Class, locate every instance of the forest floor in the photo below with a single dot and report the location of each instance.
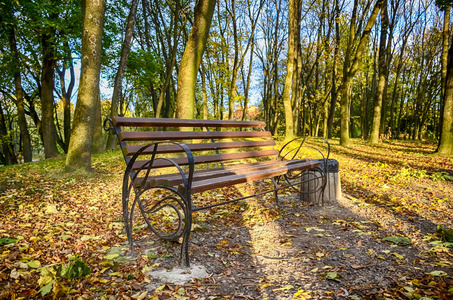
(388, 237)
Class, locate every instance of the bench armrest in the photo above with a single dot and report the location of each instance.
(291, 153)
(131, 174)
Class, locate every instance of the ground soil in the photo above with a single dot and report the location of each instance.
(302, 250)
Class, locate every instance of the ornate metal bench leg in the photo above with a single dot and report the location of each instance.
(126, 218)
(276, 190)
(185, 262)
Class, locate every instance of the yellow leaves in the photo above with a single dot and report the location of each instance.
(140, 295)
(285, 288)
(116, 225)
(302, 295)
(438, 273)
(51, 209)
(397, 255)
(35, 264)
(263, 286)
(160, 288)
(308, 229)
(222, 244)
(111, 256)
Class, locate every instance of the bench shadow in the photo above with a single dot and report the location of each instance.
(255, 249)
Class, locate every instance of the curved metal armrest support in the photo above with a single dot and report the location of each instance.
(108, 125)
(128, 173)
(295, 151)
(291, 150)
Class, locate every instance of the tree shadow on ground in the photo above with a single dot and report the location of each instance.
(260, 251)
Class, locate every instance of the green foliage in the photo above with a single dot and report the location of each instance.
(76, 268)
(409, 172)
(442, 4)
(144, 68)
(445, 233)
(54, 278)
(442, 176)
(398, 240)
(6, 241)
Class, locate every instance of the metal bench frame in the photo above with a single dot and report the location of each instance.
(181, 188)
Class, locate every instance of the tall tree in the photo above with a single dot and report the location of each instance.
(351, 66)
(446, 137)
(382, 65)
(294, 11)
(444, 58)
(19, 93)
(191, 59)
(79, 154)
(48, 46)
(118, 85)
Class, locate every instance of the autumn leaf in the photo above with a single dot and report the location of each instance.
(398, 240)
(333, 276)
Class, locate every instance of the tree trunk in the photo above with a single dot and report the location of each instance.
(191, 59)
(79, 154)
(66, 99)
(349, 70)
(118, 85)
(293, 17)
(24, 134)
(446, 139)
(382, 65)
(444, 62)
(47, 100)
(9, 157)
(334, 91)
(98, 145)
(204, 92)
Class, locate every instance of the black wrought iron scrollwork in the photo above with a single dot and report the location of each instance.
(111, 126)
(130, 182)
(316, 178)
(166, 202)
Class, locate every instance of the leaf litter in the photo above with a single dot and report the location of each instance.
(387, 238)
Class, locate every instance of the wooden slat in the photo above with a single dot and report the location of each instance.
(176, 179)
(131, 150)
(218, 182)
(160, 163)
(188, 135)
(165, 122)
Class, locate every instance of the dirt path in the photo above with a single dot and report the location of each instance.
(313, 252)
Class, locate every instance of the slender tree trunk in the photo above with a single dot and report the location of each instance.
(446, 139)
(66, 99)
(24, 134)
(382, 65)
(444, 62)
(334, 92)
(293, 17)
(98, 145)
(47, 100)
(79, 154)
(118, 85)
(247, 83)
(191, 59)
(349, 71)
(204, 92)
(9, 156)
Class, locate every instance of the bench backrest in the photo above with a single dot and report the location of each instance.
(209, 140)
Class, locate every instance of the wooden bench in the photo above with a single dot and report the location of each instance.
(166, 167)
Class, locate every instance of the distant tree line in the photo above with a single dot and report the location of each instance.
(368, 69)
